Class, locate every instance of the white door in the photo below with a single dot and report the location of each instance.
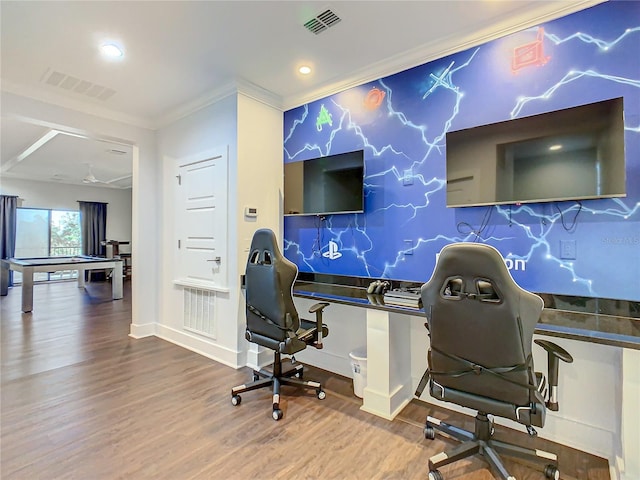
(202, 220)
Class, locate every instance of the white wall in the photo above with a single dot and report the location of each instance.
(145, 192)
(252, 131)
(65, 197)
(211, 128)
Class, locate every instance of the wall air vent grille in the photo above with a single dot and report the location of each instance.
(199, 312)
(322, 21)
(76, 85)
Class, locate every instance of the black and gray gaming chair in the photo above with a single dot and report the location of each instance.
(272, 319)
(481, 326)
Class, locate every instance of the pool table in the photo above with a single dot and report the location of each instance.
(27, 266)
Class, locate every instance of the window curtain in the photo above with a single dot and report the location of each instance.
(93, 226)
(8, 215)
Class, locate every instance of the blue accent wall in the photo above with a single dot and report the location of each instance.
(401, 121)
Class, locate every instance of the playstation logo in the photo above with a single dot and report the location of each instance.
(332, 253)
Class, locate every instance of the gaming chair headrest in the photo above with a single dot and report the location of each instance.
(477, 270)
(265, 240)
(472, 260)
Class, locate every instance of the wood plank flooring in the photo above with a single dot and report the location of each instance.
(82, 400)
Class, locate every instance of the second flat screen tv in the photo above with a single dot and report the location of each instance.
(571, 154)
(325, 185)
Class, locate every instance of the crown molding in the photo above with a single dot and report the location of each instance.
(193, 106)
(72, 104)
(242, 86)
(259, 94)
(499, 27)
(239, 86)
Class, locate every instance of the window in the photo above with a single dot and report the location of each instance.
(47, 233)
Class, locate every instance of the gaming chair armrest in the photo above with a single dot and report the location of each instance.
(318, 309)
(554, 354)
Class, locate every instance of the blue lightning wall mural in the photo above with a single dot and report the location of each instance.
(401, 122)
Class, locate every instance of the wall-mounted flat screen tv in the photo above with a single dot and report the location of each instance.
(325, 185)
(571, 154)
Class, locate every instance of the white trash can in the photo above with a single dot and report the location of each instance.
(359, 368)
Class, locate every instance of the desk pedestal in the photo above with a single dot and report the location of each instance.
(630, 420)
(388, 387)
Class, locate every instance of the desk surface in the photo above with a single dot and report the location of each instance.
(610, 330)
(57, 261)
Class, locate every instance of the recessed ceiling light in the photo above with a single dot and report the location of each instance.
(112, 51)
(305, 70)
(555, 147)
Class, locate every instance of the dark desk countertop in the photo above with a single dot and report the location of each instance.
(613, 330)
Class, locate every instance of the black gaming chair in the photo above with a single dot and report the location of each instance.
(272, 319)
(481, 326)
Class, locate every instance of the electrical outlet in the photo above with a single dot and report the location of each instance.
(407, 178)
(408, 247)
(568, 249)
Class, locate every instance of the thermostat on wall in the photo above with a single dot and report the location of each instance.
(250, 211)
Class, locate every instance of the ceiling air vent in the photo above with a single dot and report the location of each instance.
(115, 151)
(76, 85)
(322, 21)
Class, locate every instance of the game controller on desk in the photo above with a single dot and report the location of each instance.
(378, 287)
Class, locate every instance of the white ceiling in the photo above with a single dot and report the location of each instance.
(181, 54)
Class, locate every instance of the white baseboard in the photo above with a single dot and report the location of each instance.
(219, 353)
(386, 405)
(616, 468)
(142, 330)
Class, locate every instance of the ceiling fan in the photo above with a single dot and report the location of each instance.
(91, 178)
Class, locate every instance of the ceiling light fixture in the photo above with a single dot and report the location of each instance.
(305, 70)
(112, 51)
(555, 147)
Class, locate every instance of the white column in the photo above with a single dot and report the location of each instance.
(630, 419)
(388, 387)
(258, 357)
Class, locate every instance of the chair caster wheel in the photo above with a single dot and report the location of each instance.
(299, 374)
(429, 432)
(435, 475)
(276, 414)
(321, 394)
(235, 400)
(551, 472)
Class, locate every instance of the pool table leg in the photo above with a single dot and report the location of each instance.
(4, 279)
(116, 282)
(27, 289)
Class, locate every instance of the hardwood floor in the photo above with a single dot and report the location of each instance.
(82, 400)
